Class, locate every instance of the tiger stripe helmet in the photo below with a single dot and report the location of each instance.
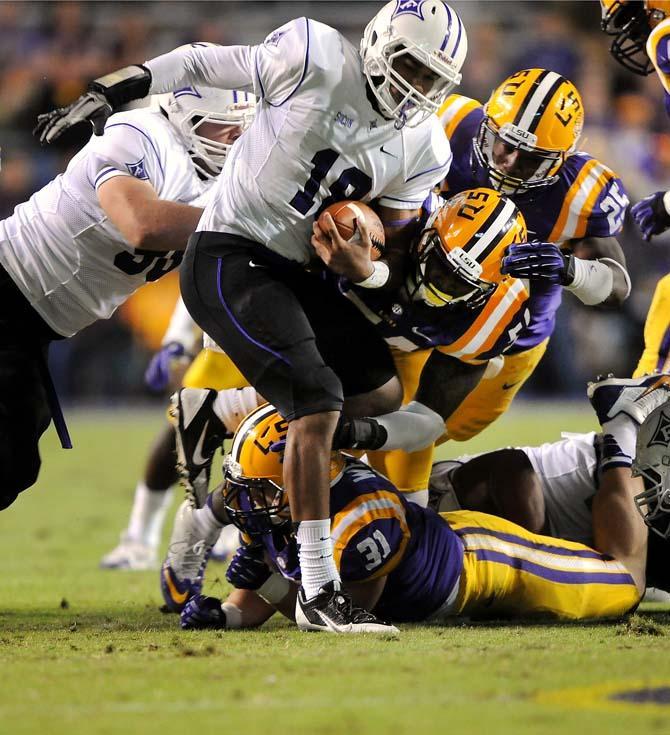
(537, 116)
(253, 492)
(460, 252)
(253, 473)
(630, 22)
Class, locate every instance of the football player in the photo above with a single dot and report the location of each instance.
(407, 563)
(453, 301)
(452, 320)
(641, 32)
(550, 489)
(174, 365)
(523, 142)
(119, 216)
(332, 123)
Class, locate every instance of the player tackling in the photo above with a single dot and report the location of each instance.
(333, 122)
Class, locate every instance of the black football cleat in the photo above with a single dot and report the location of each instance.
(332, 611)
(199, 433)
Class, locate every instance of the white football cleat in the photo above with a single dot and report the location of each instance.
(184, 566)
(332, 611)
(130, 555)
(634, 397)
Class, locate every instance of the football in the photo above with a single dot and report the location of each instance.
(346, 214)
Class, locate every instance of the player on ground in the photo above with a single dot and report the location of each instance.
(641, 40)
(119, 216)
(523, 142)
(407, 563)
(550, 489)
(332, 123)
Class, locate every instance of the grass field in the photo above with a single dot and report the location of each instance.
(87, 651)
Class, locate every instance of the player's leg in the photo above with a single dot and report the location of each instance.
(408, 471)
(509, 571)
(138, 547)
(656, 355)
(493, 396)
(24, 417)
(24, 410)
(256, 313)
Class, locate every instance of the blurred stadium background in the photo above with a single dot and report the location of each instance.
(49, 50)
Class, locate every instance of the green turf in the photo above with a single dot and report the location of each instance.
(87, 651)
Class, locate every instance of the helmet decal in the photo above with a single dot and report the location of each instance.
(412, 7)
(661, 435)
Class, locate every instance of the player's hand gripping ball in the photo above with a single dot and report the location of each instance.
(347, 215)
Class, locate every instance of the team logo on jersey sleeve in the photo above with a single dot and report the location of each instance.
(408, 7)
(274, 38)
(138, 169)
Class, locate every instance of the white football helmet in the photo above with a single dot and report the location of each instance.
(429, 31)
(652, 464)
(189, 108)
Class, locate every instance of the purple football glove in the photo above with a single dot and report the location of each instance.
(247, 569)
(539, 261)
(202, 612)
(650, 215)
(157, 374)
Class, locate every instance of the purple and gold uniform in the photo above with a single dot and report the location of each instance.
(586, 200)
(460, 563)
(656, 355)
(471, 230)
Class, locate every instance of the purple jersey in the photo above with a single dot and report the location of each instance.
(376, 532)
(587, 200)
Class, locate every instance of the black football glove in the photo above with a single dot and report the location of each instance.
(539, 261)
(104, 96)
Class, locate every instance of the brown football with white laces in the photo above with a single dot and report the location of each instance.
(347, 214)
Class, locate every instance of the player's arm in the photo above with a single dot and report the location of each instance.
(618, 529)
(366, 594)
(605, 251)
(592, 268)
(353, 259)
(401, 226)
(446, 381)
(144, 220)
(444, 384)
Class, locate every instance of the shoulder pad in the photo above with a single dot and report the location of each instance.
(454, 110)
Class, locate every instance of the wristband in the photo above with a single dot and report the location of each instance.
(274, 589)
(378, 277)
(233, 615)
(124, 85)
(593, 281)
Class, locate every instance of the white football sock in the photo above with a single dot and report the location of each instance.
(206, 524)
(315, 551)
(624, 430)
(148, 514)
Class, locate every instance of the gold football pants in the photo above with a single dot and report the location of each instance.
(508, 571)
(656, 355)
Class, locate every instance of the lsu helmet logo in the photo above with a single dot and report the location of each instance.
(408, 7)
(661, 435)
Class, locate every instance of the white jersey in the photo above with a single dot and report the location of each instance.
(69, 261)
(567, 470)
(316, 138)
